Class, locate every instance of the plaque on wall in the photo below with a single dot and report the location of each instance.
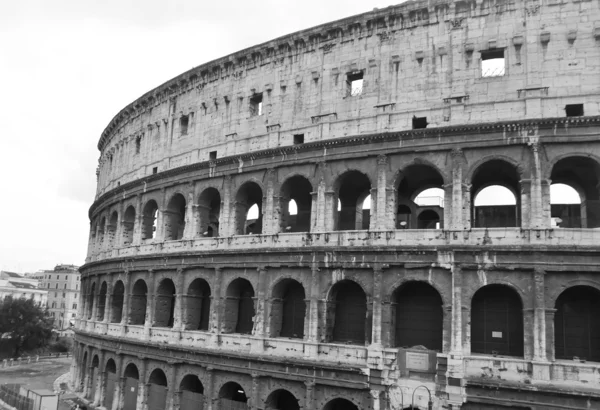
(417, 361)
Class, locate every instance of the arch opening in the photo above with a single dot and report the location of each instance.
(420, 200)
(137, 310)
(352, 189)
(101, 302)
(157, 390)
(198, 305)
(101, 233)
(288, 309)
(174, 217)
(576, 326)
(111, 380)
(231, 396)
(347, 314)
(118, 297)
(418, 316)
(281, 399)
(583, 175)
(111, 229)
(495, 201)
(130, 392)
(340, 404)
(149, 219)
(497, 321)
(128, 224)
(248, 209)
(164, 305)
(239, 307)
(192, 393)
(209, 204)
(296, 205)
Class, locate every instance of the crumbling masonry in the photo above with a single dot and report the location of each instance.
(262, 235)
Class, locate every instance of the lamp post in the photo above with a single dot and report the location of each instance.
(429, 404)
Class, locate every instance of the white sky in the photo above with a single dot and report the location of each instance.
(68, 66)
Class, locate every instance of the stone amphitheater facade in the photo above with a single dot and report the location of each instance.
(191, 302)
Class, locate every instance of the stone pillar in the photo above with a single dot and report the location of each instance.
(119, 397)
(198, 227)
(149, 322)
(376, 336)
(459, 203)
(190, 227)
(314, 210)
(137, 227)
(550, 351)
(216, 305)
(226, 219)
(384, 221)
(329, 209)
(539, 318)
(271, 214)
(101, 382)
(179, 313)
(255, 404)
(525, 211)
(310, 395)
(87, 380)
(173, 390)
(373, 212)
(209, 392)
(313, 313)
(95, 303)
(260, 321)
(376, 395)
(160, 218)
(142, 398)
(108, 303)
(538, 219)
(456, 345)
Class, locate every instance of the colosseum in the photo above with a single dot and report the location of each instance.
(396, 210)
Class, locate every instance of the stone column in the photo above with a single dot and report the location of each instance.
(376, 335)
(209, 392)
(142, 398)
(456, 345)
(310, 395)
(314, 210)
(87, 381)
(101, 382)
(319, 196)
(173, 390)
(260, 324)
(376, 395)
(458, 203)
(539, 318)
(550, 342)
(538, 218)
(526, 210)
(226, 219)
(216, 305)
(108, 303)
(119, 397)
(384, 221)
(313, 313)
(126, 301)
(271, 214)
(149, 322)
(190, 227)
(160, 218)
(329, 210)
(255, 404)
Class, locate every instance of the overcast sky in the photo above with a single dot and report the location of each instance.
(68, 66)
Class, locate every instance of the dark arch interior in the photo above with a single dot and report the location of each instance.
(282, 400)
(90, 302)
(192, 383)
(348, 312)
(248, 195)
(288, 309)
(234, 392)
(95, 361)
(198, 305)
(429, 219)
(583, 174)
(111, 367)
(131, 371)
(164, 310)
(175, 218)
(118, 297)
(210, 210)
(340, 404)
(497, 321)
(353, 188)
(413, 180)
(418, 316)
(496, 172)
(101, 302)
(112, 227)
(137, 311)
(298, 189)
(158, 377)
(149, 220)
(128, 224)
(576, 325)
(239, 307)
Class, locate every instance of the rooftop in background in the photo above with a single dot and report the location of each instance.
(65, 268)
(5, 274)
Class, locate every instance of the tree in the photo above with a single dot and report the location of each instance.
(24, 323)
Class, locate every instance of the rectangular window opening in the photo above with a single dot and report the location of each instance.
(256, 105)
(138, 144)
(155, 170)
(183, 124)
(419, 123)
(492, 63)
(212, 155)
(574, 110)
(298, 139)
(354, 83)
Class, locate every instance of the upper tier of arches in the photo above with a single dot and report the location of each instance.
(320, 84)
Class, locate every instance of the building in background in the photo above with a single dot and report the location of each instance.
(62, 285)
(16, 286)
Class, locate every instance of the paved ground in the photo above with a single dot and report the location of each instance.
(41, 375)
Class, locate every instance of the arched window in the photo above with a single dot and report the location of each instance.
(497, 321)
(101, 302)
(282, 400)
(232, 396)
(192, 393)
(130, 392)
(157, 390)
(128, 224)
(137, 310)
(90, 301)
(495, 201)
(118, 298)
(209, 204)
(352, 189)
(174, 218)
(112, 229)
(347, 313)
(94, 377)
(239, 307)
(198, 305)
(295, 205)
(248, 209)
(418, 316)
(565, 204)
(111, 383)
(340, 404)
(583, 175)
(84, 367)
(420, 200)
(576, 325)
(164, 308)
(149, 217)
(288, 309)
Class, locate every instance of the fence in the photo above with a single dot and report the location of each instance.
(30, 359)
(10, 394)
